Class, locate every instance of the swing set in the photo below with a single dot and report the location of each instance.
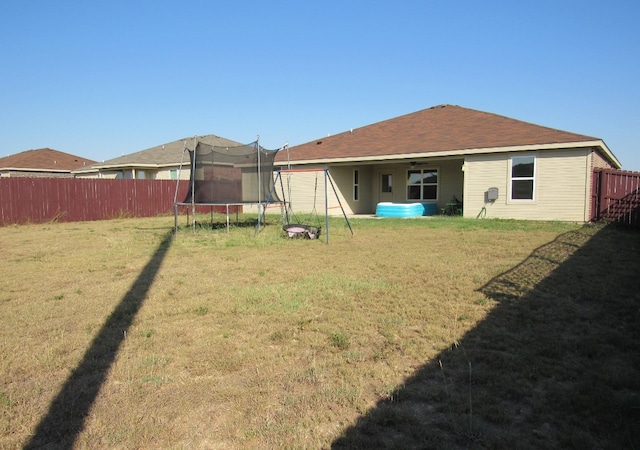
(310, 226)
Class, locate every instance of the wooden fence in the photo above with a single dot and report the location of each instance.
(40, 200)
(615, 197)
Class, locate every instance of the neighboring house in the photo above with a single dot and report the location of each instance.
(496, 166)
(43, 162)
(162, 162)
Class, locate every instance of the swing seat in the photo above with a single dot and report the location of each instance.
(298, 231)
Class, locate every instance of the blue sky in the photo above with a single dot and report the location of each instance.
(102, 79)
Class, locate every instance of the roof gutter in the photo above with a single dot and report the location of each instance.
(471, 151)
(133, 166)
(31, 169)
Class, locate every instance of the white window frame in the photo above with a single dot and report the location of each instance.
(437, 184)
(527, 178)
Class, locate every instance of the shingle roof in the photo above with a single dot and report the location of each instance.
(44, 160)
(168, 154)
(444, 128)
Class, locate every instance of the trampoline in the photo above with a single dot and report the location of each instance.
(228, 178)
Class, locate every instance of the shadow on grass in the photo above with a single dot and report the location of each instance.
(555, 364)
(247, 223)
(65, 419)
(215, 225)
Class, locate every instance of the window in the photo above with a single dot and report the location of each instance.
(356, 184)
(174, 174)
(386, 183)
(145, 174)
(523, 177)
(422, 184)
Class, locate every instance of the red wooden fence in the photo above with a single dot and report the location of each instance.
(615, 196)
(38, 200)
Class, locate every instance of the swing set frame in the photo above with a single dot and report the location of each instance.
(287, 209)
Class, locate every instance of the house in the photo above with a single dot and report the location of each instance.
(43, 162)
(162, 162)
(497, 167)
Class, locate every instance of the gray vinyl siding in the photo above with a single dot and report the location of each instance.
(342, 177)
(450, 181)
(561, 186)
(305, 191)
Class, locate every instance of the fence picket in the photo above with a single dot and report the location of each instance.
(616, 196)
(38, 200)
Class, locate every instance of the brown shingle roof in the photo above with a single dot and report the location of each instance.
(167, 154)
(44, 159)
(438, 129)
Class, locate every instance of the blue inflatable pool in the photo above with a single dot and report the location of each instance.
(388, 209)
(430, 209)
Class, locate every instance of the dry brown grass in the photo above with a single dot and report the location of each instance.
(411, 334)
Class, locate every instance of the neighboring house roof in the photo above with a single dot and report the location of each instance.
(442, 130)
(43, 160)
(165, 155)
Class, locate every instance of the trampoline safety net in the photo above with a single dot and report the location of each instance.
(227, 175)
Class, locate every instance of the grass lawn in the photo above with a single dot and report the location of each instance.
(421, 333)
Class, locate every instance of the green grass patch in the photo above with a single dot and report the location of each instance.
(437, 332)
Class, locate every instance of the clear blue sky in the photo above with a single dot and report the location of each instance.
(100, 79)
